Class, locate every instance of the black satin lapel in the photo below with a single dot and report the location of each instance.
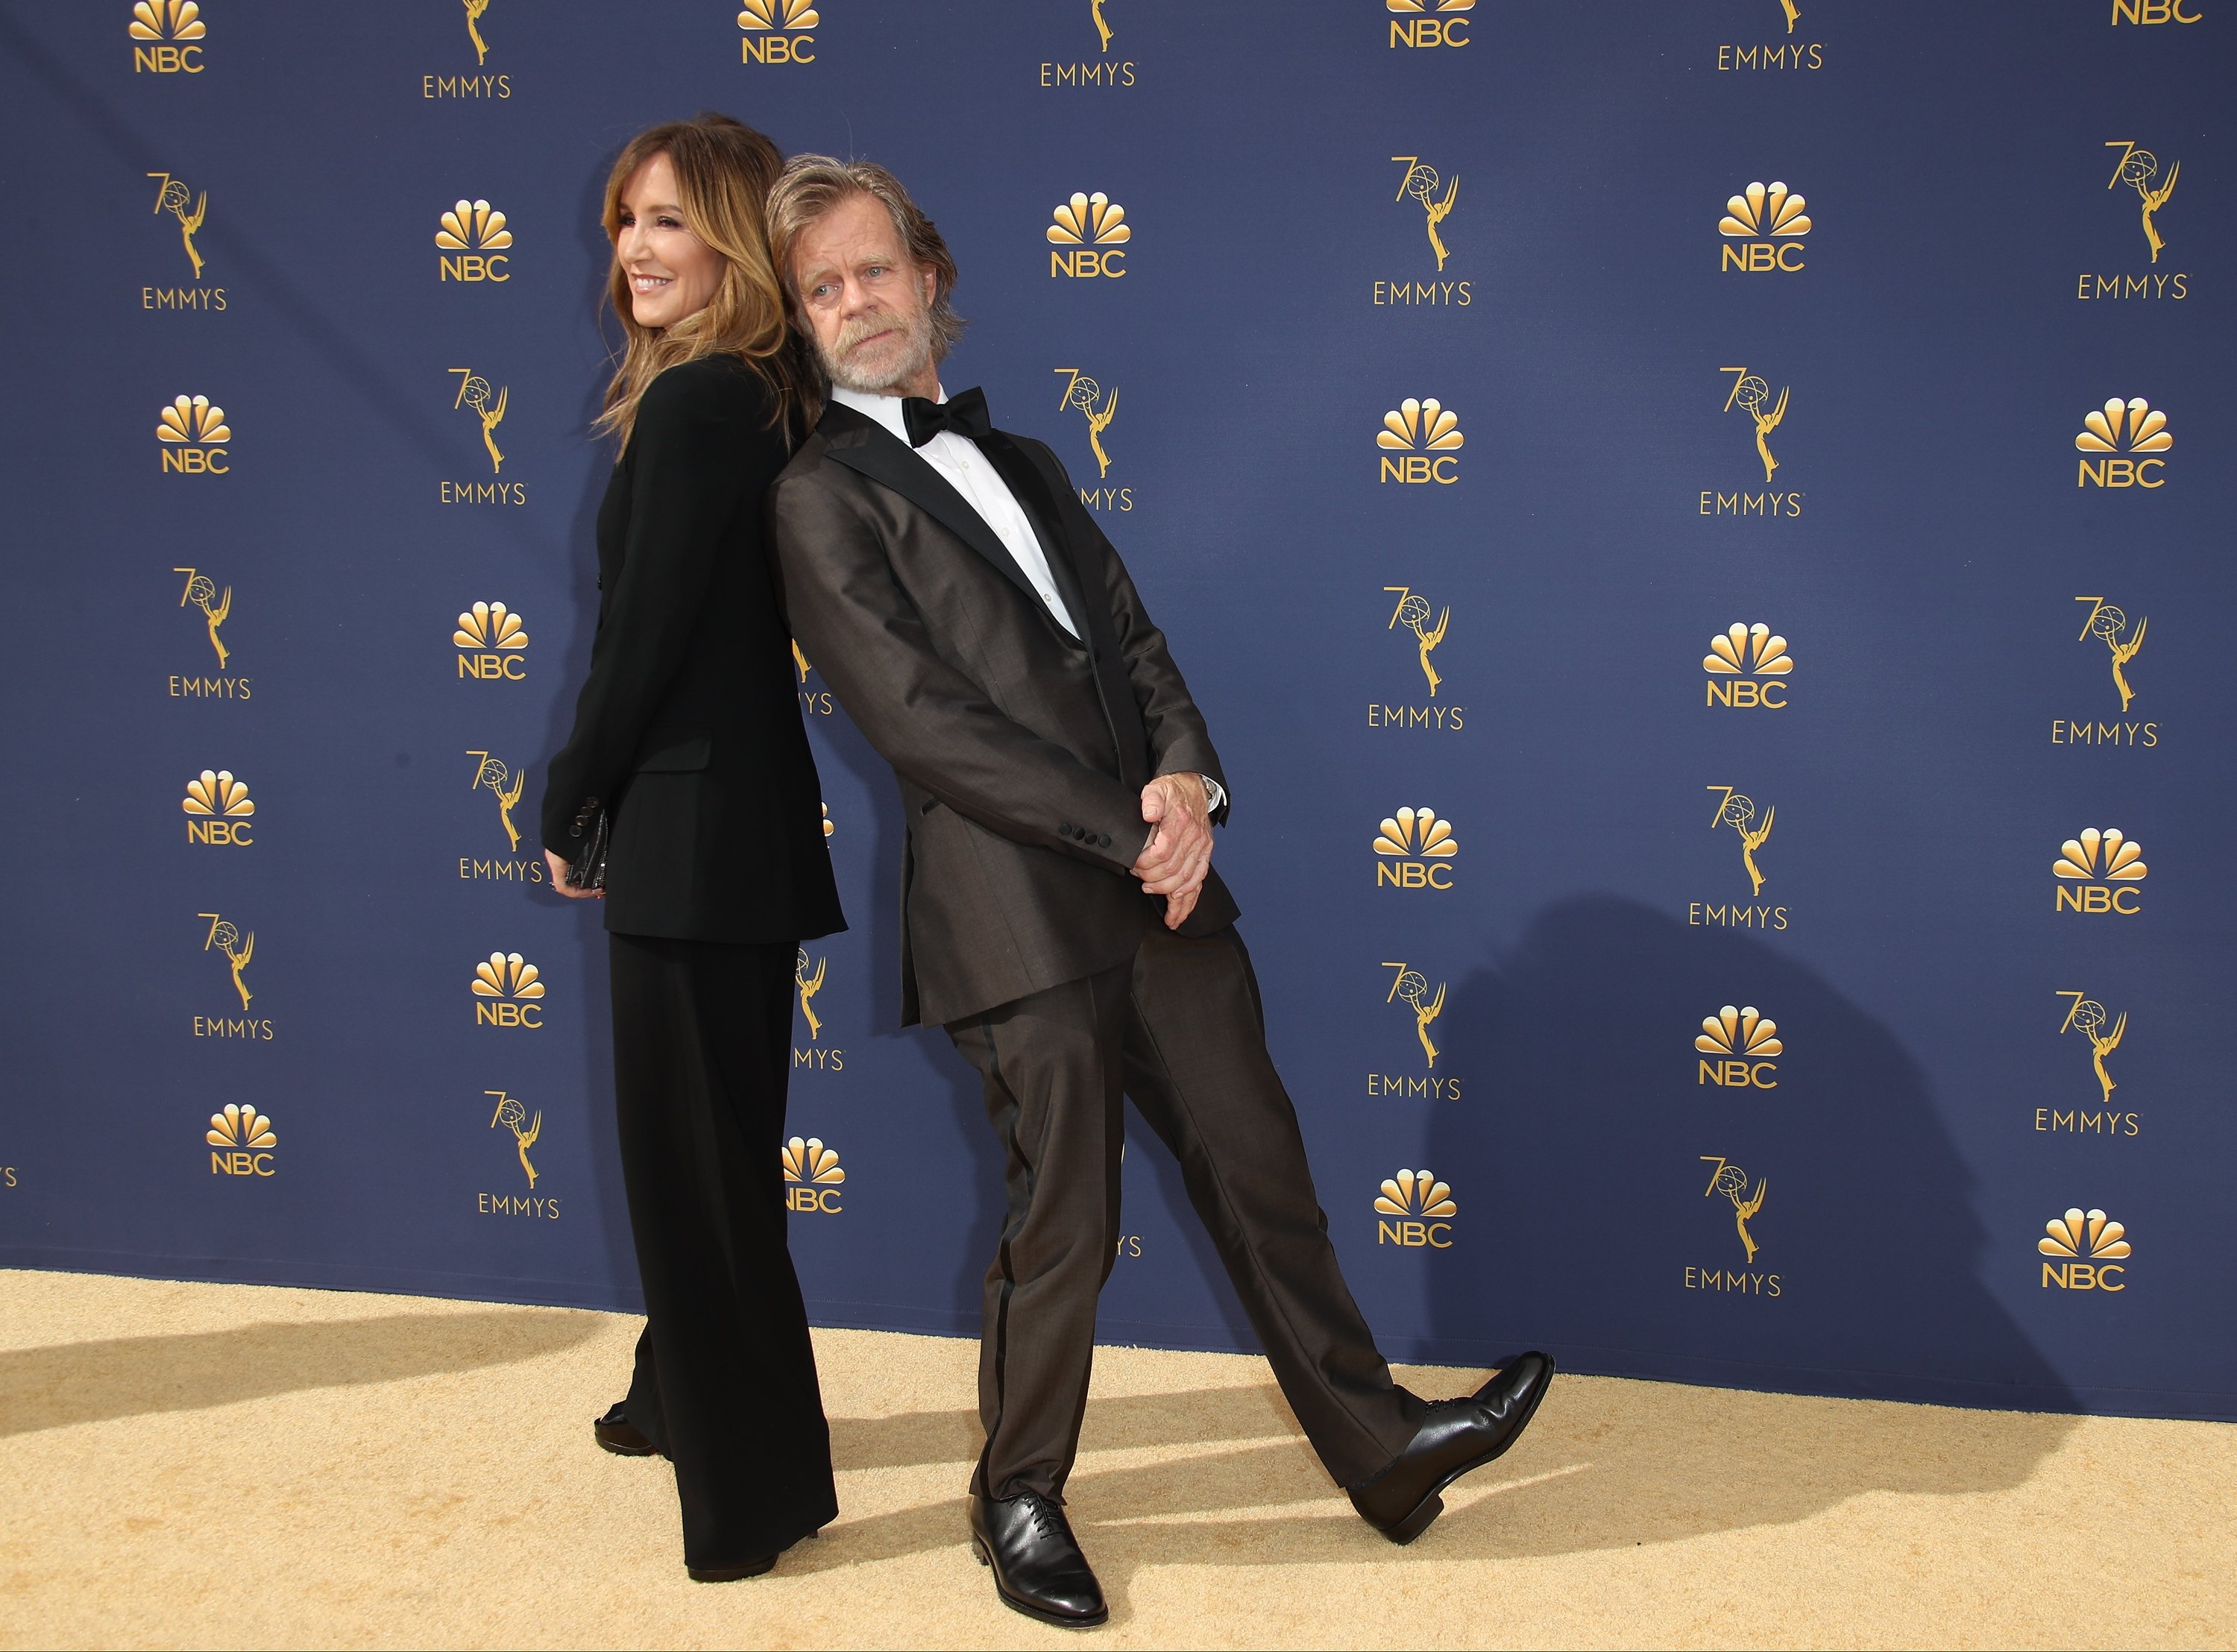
(882, 458)
(1032, 490)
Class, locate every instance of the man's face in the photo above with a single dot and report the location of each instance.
(868, 306)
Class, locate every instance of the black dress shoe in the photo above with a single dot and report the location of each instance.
(1457, 1435)
(1039, 1569)
(730, 1574)
(618, 1435)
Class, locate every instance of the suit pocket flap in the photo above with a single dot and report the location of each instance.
(682, 757)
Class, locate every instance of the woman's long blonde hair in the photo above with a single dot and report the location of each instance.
(724, 170)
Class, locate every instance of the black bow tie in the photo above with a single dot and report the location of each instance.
(965, 414)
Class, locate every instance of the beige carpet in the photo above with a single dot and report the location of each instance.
(224, 1465)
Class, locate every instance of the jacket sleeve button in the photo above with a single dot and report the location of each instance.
(1104, 841)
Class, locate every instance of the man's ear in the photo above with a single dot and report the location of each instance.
(931, 278)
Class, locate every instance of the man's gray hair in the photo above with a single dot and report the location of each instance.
(811, 184)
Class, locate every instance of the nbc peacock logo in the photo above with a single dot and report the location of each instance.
(508, 992)
(2098, 871)
(1420, 441)
(1416, 849)
(1738, 1049)
(777, 32)
(812, 1177)
(1429, 24)
(1763, 227)
(167, 37)
(471, 239)
(218, 810)
(1089, 237)
(1415, 1209)
(2087, 1250)
(2116, 434)
(241, 1141)
(193, 435)
(1748, 666)
(493, 644)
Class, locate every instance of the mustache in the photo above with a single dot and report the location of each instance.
(854, 333)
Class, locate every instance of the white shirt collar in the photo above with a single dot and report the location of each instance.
(886, 410)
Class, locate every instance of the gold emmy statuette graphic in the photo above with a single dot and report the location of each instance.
(172, 194)
(1421, 182)
(2138, 168)
(474, 9)
(2108, 623)
(510, 1113)
(1102, 29)
(1731, 1181)
(1422, 1208)
(810, 986)
(506, 788)
(225, 938)
(1737, 811)
(202, 591)
(474, 391)
(812, 1177)
(1081, 391)
(799, 664)
(2091, 1017)
(167, 20)
(1413, 612)
(1793, 16)
(1750, 393)
(1414, 987)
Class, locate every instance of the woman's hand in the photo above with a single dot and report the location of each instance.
(559, 880)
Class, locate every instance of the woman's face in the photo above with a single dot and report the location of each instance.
(672, 273)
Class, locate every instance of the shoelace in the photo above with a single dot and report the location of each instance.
(1048, 1519)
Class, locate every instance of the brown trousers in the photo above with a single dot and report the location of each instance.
(1180, 1032)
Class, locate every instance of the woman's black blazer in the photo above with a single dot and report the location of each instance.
(688, 729)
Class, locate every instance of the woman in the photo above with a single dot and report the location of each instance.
(688, 745)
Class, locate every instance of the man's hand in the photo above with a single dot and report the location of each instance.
(559, 880)
(1178, 855)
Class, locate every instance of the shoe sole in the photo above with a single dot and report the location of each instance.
(730, 1574)
(1418, 1520)
(629, 1450)
(978, 1553)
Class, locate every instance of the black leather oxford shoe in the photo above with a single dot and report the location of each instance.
(1039, 1569)
(618, 1435)
(1456, 1436)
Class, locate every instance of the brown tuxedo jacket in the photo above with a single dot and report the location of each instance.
(1021, 752)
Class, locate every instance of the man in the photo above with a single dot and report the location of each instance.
(1060, 917)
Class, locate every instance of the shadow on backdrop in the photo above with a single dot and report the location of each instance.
(1605, 1228)
(96, 1382)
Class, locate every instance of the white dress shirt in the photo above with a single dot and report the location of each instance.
(964, 468)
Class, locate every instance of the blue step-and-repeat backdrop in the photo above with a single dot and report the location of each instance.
(1702, 530)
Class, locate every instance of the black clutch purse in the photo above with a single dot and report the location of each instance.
(587, 869)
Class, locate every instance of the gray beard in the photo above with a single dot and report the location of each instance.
(887, 380)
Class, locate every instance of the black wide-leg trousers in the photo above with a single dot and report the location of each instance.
(1180, 1031)
(725, 1381)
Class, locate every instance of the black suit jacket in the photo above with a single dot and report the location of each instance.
(689, 727)
(1021, 752)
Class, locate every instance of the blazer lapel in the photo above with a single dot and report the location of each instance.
(867, 448)
(1030, 490)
